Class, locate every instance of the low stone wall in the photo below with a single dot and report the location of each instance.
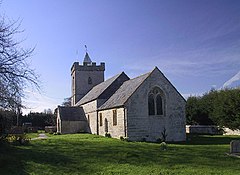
(210, 129)
(228, 131)
(202, 129)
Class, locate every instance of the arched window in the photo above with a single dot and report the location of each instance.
(89, 80)
(155, 102)
(151, 106)
(159, 105)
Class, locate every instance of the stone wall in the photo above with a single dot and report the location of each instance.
(70, 127)
(90, 110)
(142, 126)
(210, 129)
(80, 76)
(107, 123)
(228, 131)
(202, 129)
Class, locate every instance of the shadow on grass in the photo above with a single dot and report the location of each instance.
(16, 159)
(89, 154)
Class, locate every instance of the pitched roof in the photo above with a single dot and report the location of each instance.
(124, 92)
(71, 113)
(97, 90)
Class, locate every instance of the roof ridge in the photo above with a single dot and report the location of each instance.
(107, 84)
(141, 75)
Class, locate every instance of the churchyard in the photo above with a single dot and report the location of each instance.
(92, 154)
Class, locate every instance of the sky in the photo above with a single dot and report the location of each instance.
(195, 43)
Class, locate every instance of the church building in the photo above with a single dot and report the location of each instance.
(142, 108)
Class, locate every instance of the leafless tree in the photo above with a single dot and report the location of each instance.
(15, 71)
(67, 102)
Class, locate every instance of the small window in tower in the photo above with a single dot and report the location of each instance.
(100, 119)
(89, 80)
(114, 117)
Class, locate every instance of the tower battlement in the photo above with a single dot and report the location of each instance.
(87, 67)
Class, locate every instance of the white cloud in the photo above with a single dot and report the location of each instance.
(37, 102)
(235, 78)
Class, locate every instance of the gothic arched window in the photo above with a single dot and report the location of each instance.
(155, 102)
(159, 105)
(151, 106)
(89, 80)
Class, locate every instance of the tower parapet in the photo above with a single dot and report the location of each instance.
(87, 67)
(85, 77)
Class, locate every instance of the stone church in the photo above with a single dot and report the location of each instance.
(141, 108)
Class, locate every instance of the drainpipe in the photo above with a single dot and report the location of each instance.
(97, 124)
(125, 122)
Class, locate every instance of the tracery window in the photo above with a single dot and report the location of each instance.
(155, 102)
(151, 106)
(159, 105)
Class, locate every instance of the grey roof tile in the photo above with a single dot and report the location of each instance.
(71, 113)
(97, 90)
(124, 92)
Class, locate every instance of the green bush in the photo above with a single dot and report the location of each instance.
(108, 135)
(123, 138)
(56, 133)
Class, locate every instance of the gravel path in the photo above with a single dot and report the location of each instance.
(40, 136)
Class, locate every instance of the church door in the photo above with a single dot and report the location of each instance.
(106, 125)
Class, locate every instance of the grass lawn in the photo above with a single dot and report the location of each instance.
(91, 154)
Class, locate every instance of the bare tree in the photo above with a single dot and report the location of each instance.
(15, 72)
(67, 102)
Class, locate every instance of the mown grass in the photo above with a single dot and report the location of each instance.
(91, 154)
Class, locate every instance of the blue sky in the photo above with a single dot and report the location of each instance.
(196, 44)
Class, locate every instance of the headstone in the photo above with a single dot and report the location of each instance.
(235, 146)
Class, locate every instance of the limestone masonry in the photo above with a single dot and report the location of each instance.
(139, 109)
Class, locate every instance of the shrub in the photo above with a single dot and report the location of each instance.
(123, 138)
(108, 135)
(21, 139)
(56, 133)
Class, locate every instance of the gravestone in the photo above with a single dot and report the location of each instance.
(235, 146)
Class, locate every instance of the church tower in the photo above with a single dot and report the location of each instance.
(85, 77)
